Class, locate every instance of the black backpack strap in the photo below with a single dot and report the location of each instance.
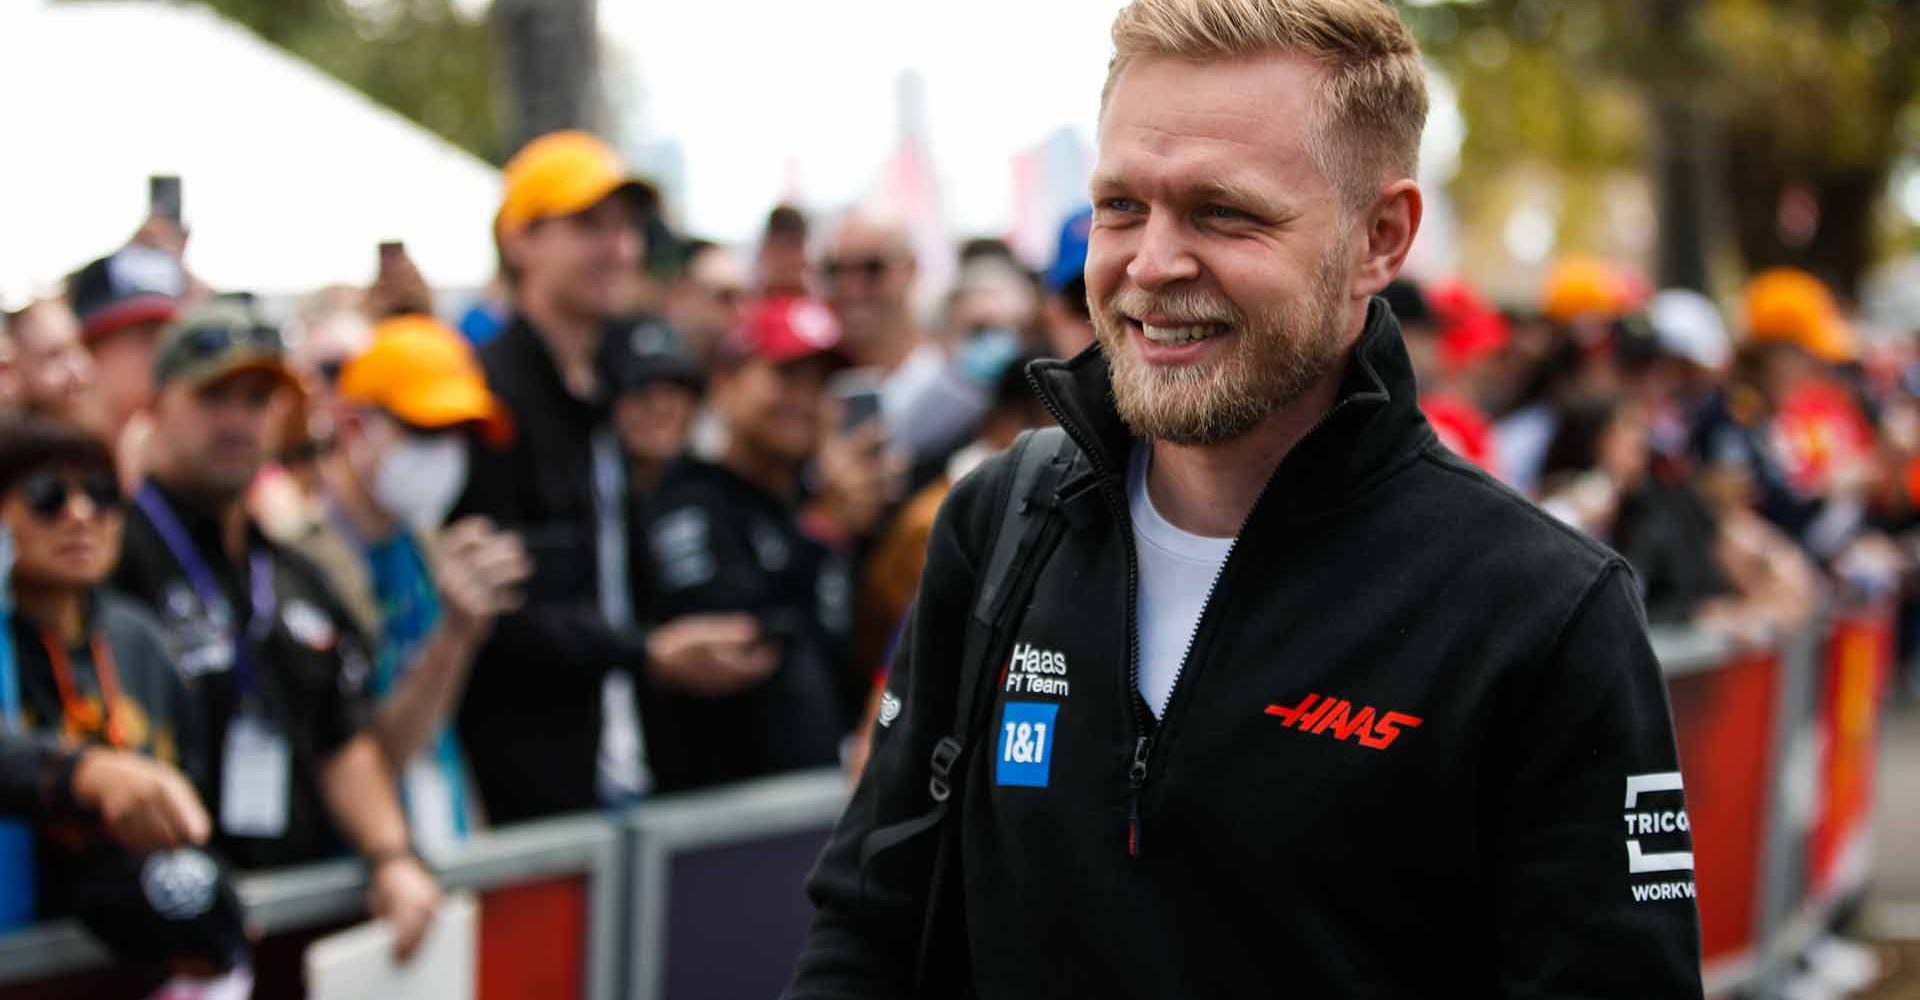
(1042, 459)
(1032, 504)
(1029, 528)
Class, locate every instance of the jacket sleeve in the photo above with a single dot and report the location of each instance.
(869, 913)
(1585, 817)
(560, 634)
(35, 777)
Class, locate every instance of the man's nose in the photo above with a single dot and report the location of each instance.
(80, 506)
(1163, 255)
(625, 246)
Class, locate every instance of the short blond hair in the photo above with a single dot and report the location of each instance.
(1371, 102)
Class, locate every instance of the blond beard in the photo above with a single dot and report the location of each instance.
(1278, 355)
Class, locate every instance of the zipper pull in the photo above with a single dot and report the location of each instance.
(1136, 777)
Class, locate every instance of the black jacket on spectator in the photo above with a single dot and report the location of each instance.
(1669, 537)
(722, 544)
(1394, 764)
(36, 775)
(167, 726)
(1722, 437)
(157, 719)
(530, 722)
(313, 666)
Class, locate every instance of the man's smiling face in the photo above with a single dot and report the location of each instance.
(1220, 260)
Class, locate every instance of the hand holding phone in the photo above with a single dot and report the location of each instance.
(163, 197)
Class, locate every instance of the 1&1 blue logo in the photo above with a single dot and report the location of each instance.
(1026, 744)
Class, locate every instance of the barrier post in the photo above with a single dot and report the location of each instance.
(718, 910)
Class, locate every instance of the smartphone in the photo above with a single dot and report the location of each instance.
(859, 394)
(859, 408)
(163, 196)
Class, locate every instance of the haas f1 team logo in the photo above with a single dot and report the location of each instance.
(1342, 720)
(1032, 670)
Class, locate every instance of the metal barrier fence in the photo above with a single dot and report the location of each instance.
(1777, 746)
(699, 896)
(550, 911)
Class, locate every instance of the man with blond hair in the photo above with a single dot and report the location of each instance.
(1281, 698)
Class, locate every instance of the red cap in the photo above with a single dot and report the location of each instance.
(787, 329)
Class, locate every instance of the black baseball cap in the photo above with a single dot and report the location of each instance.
(136, 284)
(648, 351)
(155, 907)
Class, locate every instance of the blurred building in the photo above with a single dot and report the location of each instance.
(1049, 181)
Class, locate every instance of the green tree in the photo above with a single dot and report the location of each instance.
(1801, 105)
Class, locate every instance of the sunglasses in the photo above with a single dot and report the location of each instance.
(47, 493)
(216, 339)
(870, 268)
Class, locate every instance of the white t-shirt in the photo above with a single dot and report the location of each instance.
(1177, 570)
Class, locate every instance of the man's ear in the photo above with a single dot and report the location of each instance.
(1391, 224)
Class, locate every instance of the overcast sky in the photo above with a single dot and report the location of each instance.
(748, 84)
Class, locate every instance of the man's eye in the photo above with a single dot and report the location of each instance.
(1224, 212)
(1120, 205)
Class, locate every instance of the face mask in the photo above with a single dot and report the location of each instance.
(419, 478)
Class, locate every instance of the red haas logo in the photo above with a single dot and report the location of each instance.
(1337, 717)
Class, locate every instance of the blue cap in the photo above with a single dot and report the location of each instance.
(1070, 258)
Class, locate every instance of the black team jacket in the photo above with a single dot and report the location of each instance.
(1420, 746)
(530, 720)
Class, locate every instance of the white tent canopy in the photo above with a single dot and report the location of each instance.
(289, 177)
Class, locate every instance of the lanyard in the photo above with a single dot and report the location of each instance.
(78, 719)
(259, 584)
(10, 719)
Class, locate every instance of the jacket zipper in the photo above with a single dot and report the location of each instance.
(1142, 723)
(1145, 729)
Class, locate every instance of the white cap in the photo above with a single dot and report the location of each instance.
(1688, 324)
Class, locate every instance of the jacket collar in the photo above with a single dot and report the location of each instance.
(529, 356)
(201, 521)
(1375, 423)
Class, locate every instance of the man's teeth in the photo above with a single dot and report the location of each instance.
(1182, 334)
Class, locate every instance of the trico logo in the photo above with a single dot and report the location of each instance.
(1653, 831)
(1032, 670)
(1338, 718)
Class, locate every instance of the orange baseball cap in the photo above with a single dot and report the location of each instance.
(426, 375)
(1788, 305)
(1582, 286)
(561, 173)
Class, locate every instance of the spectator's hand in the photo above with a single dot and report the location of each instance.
(858, 474)
(710, 655)
(163, 233)
(479, 570)
(1735, 620)
(403, 893)
(145, 805)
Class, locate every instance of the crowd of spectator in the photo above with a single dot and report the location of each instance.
(646, 516)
